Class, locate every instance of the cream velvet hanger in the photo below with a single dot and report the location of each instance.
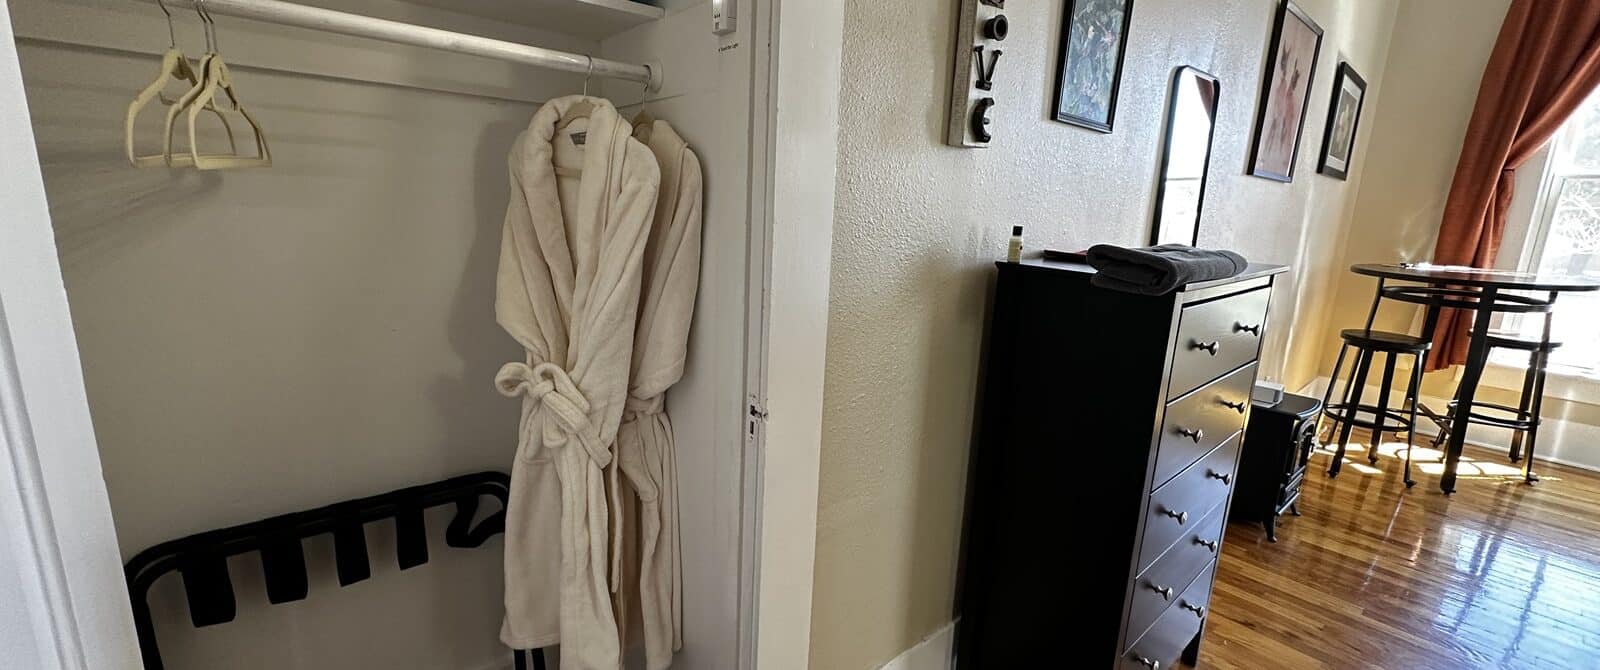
(217, 77)
(214, 76)
(174, 66)
(645, 119)
(583, 109)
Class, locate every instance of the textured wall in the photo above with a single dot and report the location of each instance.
(918, 224)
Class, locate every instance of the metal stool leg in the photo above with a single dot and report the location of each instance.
(1352, 408)
(1411, 433)
(1444, 430)
(1524, 405)
(1381, 418)
(1333, 380)
(1543, 359)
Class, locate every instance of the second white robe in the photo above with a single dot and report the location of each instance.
(646, 448)
(571, 258)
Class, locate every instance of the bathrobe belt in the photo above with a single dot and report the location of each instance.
(566, 408)
(635, 406)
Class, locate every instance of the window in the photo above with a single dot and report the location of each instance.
(1564, 237)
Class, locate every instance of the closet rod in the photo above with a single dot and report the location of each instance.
(356, 25)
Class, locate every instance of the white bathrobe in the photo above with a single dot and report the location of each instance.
(646, 452)
(571, 258)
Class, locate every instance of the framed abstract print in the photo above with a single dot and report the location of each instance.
(1291, 65)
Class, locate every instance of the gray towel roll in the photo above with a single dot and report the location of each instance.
(1161, 269)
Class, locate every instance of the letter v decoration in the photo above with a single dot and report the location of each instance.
(982, 27)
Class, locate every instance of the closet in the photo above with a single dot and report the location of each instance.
(256, 342)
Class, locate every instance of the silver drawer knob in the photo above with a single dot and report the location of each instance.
(1165, 591)
(1198, 611)
(1182, 517)
(1253, 330)
(1195, 434)
(1223, 477)
(1153, 665)
(1235, 406)
(1208, 347)
(1208, 544)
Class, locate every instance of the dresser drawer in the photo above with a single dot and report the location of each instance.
(1215, 337)
(1159, 586)
(1174, 629)
(1194, 425)
(1179, 506)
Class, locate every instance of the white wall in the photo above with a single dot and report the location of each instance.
(266, 341)
(919, 225)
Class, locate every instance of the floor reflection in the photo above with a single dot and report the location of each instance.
(1499, 575)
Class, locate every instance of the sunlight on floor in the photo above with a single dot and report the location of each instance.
(1429, 461)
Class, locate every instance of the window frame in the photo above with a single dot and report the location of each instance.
(1528, 228)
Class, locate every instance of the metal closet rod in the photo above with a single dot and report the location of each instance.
(356, 25)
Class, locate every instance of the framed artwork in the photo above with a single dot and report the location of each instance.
(1094, 38)
(1344, 116)
(1291, 65)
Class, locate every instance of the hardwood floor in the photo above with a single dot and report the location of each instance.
(1499, 575)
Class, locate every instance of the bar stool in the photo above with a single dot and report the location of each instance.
(1368, 344)
(1524, 419)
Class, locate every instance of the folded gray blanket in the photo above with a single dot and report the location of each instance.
(1160, 270)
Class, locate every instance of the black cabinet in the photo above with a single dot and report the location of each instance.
(1109, 430)
(1272, 468)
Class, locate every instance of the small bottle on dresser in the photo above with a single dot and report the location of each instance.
(1014, 251)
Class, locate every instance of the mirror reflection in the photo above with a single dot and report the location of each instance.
(1190, 121)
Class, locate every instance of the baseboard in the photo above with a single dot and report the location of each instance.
(932, 653)
(1568, 443)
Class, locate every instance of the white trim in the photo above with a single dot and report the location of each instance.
(1559, 383)
(761, 22)
(800, 166)
(52, 497)
(935, 652)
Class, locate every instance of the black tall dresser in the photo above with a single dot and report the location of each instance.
(1108, 434)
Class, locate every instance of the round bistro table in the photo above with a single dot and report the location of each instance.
(1482, 292)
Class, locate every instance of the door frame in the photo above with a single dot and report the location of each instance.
(794, 161)
(54, 511)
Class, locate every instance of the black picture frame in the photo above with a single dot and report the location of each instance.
(1346, 75)
(1058, 108)
(1286, 12)
(1159, 222)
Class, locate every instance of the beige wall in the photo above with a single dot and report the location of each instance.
(1430, 88)
(918, 225)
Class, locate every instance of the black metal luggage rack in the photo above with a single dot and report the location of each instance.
(202, 559)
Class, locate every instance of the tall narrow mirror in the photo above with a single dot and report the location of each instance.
(1191, 118)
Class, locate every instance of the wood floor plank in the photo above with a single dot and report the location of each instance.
(1498, 575)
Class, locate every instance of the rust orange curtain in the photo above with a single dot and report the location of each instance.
(1544, 64)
